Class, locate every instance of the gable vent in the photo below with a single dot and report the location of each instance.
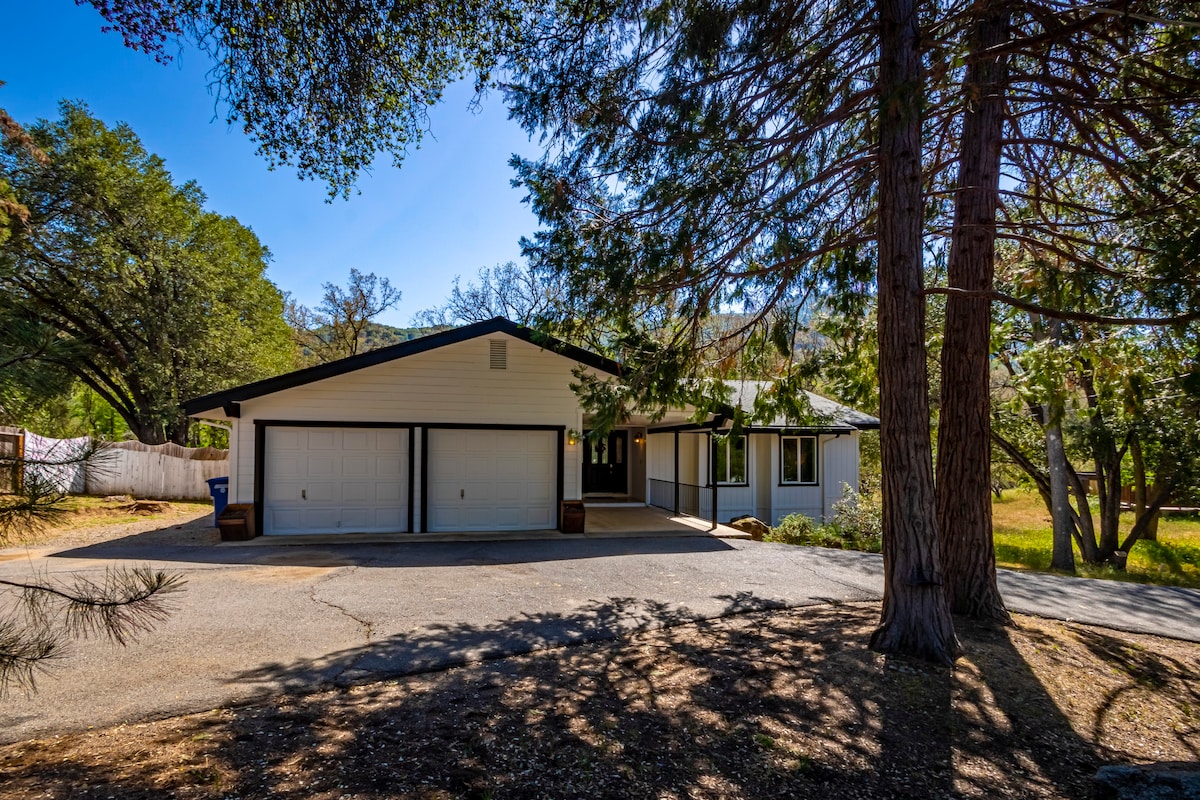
(499, 354)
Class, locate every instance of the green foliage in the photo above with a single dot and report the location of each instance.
(327, 86)
(856, 524)
(133, 288)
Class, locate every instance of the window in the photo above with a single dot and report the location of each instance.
(731, 460)
(799, 457)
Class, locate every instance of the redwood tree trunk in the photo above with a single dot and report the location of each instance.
(964, 504)
(916, 618)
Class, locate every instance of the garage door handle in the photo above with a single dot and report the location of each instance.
(304, 494)
(462, 494)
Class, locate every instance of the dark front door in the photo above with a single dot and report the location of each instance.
(604, 464)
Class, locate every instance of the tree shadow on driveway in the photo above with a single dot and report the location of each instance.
(149, 547)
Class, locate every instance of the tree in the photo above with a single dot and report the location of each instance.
(326, 87)
(338, 327)
(149, 298)
(39, 616)
(1098, 400)
(916, 614)
(1049, 91)
(520, 294)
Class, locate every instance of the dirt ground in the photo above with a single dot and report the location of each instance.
(759, 705)
(103, 520)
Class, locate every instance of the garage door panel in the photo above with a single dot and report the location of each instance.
(288, 467)
(285, 439)
(335, 480)
(492, 480)
(323, 491)
(394, 439)
(390, 493)
(324, 439)
(390, 467)
(356, 466)
(322, 466)
(356, 440)
(357, 492)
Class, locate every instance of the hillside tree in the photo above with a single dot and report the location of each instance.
(150, 298)
(340, 324)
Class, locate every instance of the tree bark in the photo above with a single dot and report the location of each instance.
(1142, 492)
(1062, 556)
(916, 618)
(964, 505)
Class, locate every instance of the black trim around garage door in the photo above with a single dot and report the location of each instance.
(559, 429)
(260, 442)
(260, 450)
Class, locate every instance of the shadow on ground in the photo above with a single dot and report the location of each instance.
(163, 545)
(756, 705)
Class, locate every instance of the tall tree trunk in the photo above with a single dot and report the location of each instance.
(1062, 555)
(916, 618)
(964, 504)
(1083, 519)
(1143, 494)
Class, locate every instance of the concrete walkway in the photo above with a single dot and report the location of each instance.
(257, 620)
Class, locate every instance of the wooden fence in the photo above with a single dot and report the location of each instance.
(164, 471)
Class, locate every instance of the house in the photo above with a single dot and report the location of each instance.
(477, 429)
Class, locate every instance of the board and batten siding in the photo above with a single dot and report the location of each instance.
(452, 384)
(837, 464)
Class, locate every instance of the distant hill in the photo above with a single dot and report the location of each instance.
(377, 335)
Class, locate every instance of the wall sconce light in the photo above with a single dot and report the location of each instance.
(637, 438)
(572, 437)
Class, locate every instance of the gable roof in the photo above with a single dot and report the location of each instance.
(383, 355)
(746, 391)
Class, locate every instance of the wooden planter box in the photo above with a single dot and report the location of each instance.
(237, 522)
(572, 516)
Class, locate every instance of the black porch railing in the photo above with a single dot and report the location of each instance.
(662, 495)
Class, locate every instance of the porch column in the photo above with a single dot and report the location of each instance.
(675, 476)
(712, 476)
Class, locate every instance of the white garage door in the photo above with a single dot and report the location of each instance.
(335, 480)
(481, 480)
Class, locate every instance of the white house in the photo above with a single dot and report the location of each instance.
(477, 429)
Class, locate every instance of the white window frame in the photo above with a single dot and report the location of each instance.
(816, 465)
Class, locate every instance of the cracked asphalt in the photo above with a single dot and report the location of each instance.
(254, 621)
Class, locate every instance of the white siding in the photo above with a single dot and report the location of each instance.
(839, 458)
(763, 476)
(449, 384)
(837, 465)
(660, 456)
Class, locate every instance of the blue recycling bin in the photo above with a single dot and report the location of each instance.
(218, 488)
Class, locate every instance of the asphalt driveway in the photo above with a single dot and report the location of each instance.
(257, 620)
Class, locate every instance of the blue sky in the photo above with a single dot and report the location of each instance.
(448, 211)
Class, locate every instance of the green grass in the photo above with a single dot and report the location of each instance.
(1024, 540)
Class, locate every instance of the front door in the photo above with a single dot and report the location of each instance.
(604, 464)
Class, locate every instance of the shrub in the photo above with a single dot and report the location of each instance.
(793, 529)
(856, 524)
